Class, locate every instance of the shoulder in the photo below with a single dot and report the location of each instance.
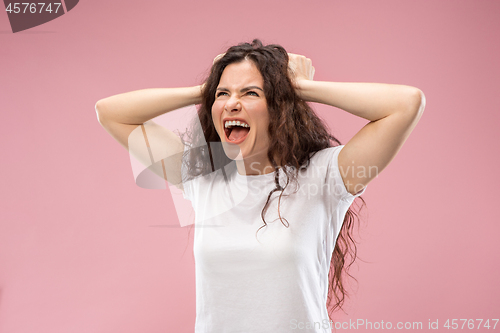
(324, 166)
(322, 163)
(326, 156)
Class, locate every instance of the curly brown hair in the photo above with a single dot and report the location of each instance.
(296, 134)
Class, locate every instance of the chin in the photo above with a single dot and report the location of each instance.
(232, 151)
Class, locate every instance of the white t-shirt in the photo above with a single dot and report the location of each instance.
(277, 280)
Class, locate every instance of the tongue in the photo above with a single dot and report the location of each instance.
(238, 133)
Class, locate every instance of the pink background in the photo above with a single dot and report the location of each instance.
(84, 249)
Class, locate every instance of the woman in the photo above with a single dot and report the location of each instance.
(265, 168)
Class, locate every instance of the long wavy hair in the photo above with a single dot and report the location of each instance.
(296, 133)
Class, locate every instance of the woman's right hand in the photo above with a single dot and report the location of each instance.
(218, 57)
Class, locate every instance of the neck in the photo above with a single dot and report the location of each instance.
(253, 167)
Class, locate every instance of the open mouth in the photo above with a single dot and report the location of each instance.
(236, 131)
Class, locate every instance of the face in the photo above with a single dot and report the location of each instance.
(240, 114)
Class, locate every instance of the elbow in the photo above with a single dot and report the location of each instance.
(99, 110)
(414, 103)
(417, 102)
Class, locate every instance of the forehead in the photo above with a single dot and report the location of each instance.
(241, 74)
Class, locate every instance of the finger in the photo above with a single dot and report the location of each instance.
(295, 57)
(218, 57)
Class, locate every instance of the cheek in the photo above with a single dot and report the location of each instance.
(217, 109)
(264, 116)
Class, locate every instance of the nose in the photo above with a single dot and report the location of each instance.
(232, 104)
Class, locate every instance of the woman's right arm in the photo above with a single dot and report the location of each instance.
(121, 114)
(127, 118)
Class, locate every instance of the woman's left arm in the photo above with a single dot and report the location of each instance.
(393, 111)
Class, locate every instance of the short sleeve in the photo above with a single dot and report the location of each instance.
(324, 178)
(335, 172)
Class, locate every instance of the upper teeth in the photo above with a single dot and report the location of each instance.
(235, 123)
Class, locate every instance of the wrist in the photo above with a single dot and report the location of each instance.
(196, 94)
(304, 89)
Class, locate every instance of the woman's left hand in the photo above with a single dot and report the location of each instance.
(300, 69)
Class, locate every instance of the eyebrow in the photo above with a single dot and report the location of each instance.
(242, 90)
